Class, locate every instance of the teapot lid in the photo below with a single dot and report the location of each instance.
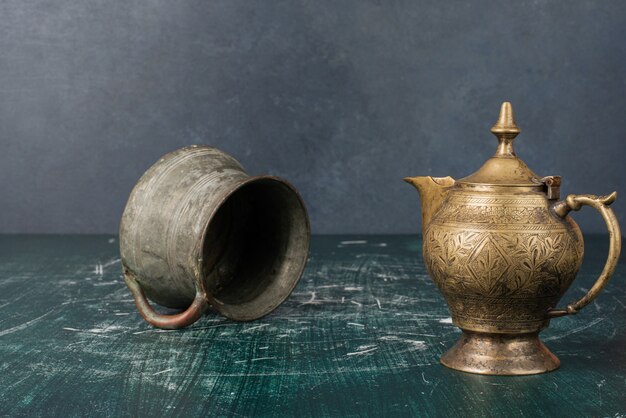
(504, 168)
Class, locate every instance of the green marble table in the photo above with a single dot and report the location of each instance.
(360, 336)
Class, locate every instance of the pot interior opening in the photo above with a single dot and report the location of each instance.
(255, 249)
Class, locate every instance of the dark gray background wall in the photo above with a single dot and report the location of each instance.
(343, 98)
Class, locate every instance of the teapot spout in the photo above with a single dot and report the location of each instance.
(432, 191)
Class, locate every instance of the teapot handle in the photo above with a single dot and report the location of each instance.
(175, 321)
(601, 204)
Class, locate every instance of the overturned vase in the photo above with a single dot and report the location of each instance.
(198, 231)
(503, 250)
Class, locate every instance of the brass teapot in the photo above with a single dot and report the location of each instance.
(502, 249)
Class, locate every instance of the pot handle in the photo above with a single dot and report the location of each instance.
(175, 321)
(601, 204)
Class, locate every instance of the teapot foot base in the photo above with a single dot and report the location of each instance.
(500, 354)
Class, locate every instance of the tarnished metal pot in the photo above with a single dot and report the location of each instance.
(198, 230)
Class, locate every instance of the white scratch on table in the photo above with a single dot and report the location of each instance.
(111, 262)
(255, 359)
(360, 353)
(385, 276)
(99, 268)
(311, 301)
(356, 303)
(105, 329)
(389, 338)
(318, 372)
(13, 300)
(378, 303)
(162, 371)
(17, 383)
(353, 289)
(158, 331)
(437, 384)
(355, 324)
(600, 384)
(415, 344)
(354, 242)
(255, 328)
(575, 330)
(445, 321)
(98, 331)
(620, 302)
(25, 324)
(424, 379)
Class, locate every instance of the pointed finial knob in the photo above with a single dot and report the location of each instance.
(506, 130)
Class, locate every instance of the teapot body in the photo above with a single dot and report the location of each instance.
(501, 257)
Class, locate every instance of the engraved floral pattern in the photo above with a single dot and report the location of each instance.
(501, 265)
(489, 260)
